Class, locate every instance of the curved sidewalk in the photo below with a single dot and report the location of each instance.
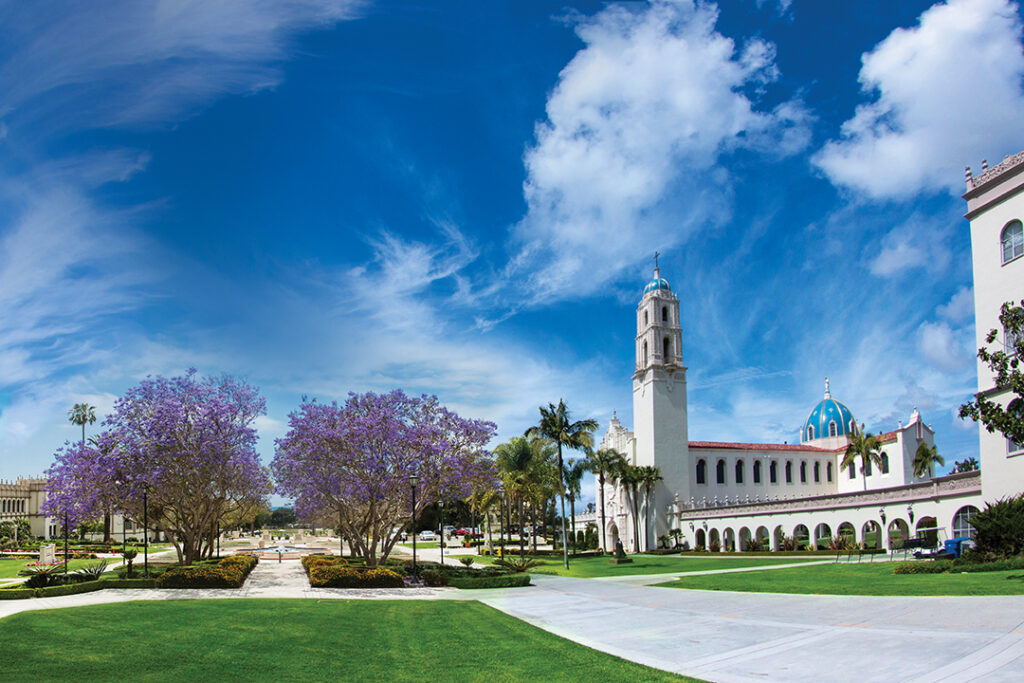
(721, 636)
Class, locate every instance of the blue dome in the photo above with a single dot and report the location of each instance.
(819, 422)
(657, 283)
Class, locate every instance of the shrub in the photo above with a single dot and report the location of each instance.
(924, 567)
(230, 572)
(322, 575)
(43, 575)
(516, 564)
(466, 561)
(500, 581)
(714, 546)
(1000, 527)
(91, 573)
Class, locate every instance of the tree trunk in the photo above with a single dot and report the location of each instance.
(533, 531)
(572, 511)
(106, 526)
(604, 539)
(522, 541)
(561, 496)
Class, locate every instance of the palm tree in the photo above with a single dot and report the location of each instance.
(573, 479)
(649, 476)
(515, 462)
(925, 458)
(865, 447)
(604, 463)
(557, 427)
(628, 477)
(83, 414)
(966, 465)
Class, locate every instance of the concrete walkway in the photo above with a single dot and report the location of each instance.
(720, 636)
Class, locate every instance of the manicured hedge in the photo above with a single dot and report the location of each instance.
(953, 567)
(324, 575)
(17, 593)
(325, 560)
(500, 581)
(230, 572)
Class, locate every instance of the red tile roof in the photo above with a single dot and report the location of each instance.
(758, 446)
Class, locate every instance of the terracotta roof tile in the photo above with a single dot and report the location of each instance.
(758, 446)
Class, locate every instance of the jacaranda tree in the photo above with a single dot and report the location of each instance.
(184, 445)
(354, 463)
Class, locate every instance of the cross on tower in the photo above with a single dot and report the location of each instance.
(656, 255)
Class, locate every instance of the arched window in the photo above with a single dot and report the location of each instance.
(773, 472)
(645, 354)
(666, 347)
(664, 313)
(962, 522)
(1013, 241)
(803, 472)
(702, 472)
(789, 471)
(810, 432)
(853, 471)
(645, 318)
(832, 431)
(757, 471)
(817, 473)
(867, 468)
(739, 471)
(828, 472)
(885, 464)
(720, 472)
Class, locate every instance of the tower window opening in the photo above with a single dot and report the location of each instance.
(810, 432)
(1012, 240)
(645, 353)
(832, 428)
(666, 348)
(645, 318)
(702, 472)
(664, 313)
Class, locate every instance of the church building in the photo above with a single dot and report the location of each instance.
(753, 496)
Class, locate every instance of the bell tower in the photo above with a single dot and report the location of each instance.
(659, 399)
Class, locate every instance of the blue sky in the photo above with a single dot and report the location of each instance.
(464, 199)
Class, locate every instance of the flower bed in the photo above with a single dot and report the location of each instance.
(322, 575)
(230, 572)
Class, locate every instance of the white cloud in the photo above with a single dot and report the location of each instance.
(943, 347)
(918, 242)
(626, 160)
(944, 91)
(960, 307)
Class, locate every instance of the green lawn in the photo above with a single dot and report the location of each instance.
(297, 640)
(9, 568)
(429, 544)
(857, 579)
(593, 567)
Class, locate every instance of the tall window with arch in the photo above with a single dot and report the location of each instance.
(789, 471)
(828, 472)
(810, 432)
(773, 472)
(853, 471)
(720, 472)
(645, 353)
(664, 313)
(817, 472)
(832, 430)
(757, 471)
(1012, 241)
(702, 471)
(739, 471)
(803, 472)
(885, 464)
(666, 348)
(645, 319)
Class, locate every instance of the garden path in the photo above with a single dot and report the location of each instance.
(722, 636)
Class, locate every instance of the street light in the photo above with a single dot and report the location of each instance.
(145, 529)
(910, 513)
(440, 507)
(881, 513)
(413, 480)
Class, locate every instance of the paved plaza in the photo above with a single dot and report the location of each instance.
(717, 636)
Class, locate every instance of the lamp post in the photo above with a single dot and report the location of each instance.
(910, 513)
(501, 536)
(145, 530)
(65, 542)
(413, 480)
(440, 507)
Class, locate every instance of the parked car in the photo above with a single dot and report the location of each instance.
(448, 530)
(427, 535)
